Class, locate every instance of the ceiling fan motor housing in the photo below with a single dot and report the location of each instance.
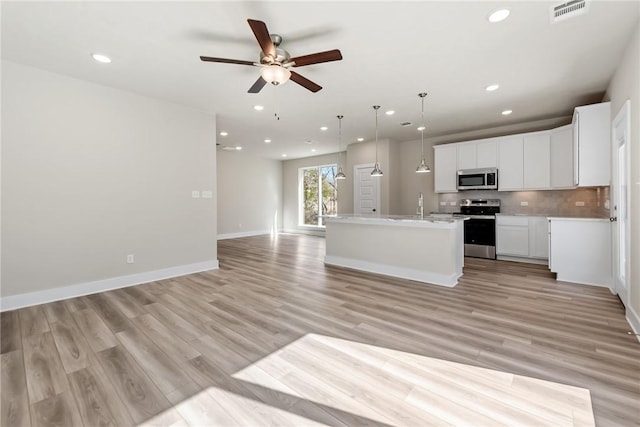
(281, 57)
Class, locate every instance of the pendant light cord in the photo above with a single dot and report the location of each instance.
(376, 107)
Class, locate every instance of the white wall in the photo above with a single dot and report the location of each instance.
(626, 85)
(249, 194)
(91, 174)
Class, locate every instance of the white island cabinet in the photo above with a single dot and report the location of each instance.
(427, 250)
(580, 250)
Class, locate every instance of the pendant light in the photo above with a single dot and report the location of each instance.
(422, 167)
(340, 174)
(376, 170)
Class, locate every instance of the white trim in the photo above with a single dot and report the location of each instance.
(389, 270)
(243, 234)
(540, 261)
(634, 320)
(356, 187)
(13, 302)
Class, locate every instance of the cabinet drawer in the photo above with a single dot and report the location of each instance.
(522, 221)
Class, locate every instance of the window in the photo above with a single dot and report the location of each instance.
(319, 194)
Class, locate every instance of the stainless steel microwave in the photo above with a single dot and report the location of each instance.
(478, 179)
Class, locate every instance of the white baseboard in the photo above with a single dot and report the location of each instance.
(243, 234)
(540, 261)
(634, 320)
(13, 302)
(405, 273)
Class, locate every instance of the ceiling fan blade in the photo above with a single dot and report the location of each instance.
(226, 60)
(305, 82)
(258, 85)
(316, 58)
(259, 29)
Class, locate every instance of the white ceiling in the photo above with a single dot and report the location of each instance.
(392, 51)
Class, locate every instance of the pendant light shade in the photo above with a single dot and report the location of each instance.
(422, 167)
(340, 174)
(376, 169)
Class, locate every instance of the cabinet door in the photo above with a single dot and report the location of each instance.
(467, 156)
(486, 154)
(538, 237)
(562, 157)
(592, 127)
(445, 169)
(512, 240)
(510, 162)
(536, 159)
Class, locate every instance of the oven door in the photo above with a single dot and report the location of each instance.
(480, 237)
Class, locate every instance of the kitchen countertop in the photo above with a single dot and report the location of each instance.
(554, 216)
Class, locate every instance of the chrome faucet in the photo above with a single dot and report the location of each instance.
(420, 210)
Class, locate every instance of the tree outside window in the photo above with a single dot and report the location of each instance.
(319, 194)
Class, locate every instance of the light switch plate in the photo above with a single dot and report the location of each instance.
(524, 203)
(579, 203)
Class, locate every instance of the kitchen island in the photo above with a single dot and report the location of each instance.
(429, 249)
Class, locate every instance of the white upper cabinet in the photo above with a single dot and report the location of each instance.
(537, 161)
(562, 157)
(592, 145)
(477, 154)
(445, 169)
(510, 163)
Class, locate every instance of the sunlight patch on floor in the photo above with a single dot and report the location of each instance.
(400, 388)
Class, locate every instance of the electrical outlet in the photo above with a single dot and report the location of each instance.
(579, 203)
(443, 203)
(524, 203)
(206, 194)
(452, 203)
(195, 194)
(130, 259)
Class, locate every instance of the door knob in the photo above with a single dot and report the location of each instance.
(613, 218)
(374, 210)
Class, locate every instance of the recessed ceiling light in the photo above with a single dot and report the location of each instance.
(313, 150)
(491, 88)
(223, 133)
(324, 128)
(101, 58)
(284, 155)
(360, 139)
(499, 15)
(258, 107)
(390, 113)
(506, 112)
(267, 141)
(238, 148)
(421, 128)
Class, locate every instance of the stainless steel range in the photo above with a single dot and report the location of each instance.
(480, 229)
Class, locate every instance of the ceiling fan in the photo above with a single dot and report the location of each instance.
(276, 62)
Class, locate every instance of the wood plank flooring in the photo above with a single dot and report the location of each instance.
(277, 338)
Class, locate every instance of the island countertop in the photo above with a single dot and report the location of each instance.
(428, 221)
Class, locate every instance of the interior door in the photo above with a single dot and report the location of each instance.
(366, 190)
(620, 174)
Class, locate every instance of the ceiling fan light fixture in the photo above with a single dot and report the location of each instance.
(275, 74)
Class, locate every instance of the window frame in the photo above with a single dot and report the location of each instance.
(301, 171)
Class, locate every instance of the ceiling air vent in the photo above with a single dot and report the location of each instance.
(405, 124)
(568, 10)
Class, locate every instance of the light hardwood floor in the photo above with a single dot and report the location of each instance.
(276, 338)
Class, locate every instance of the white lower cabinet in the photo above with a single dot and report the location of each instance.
(522, 238)
(580, 250)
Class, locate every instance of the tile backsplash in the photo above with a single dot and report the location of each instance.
(560, 203)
